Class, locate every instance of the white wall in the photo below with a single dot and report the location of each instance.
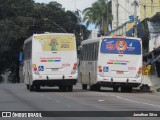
(126, 9)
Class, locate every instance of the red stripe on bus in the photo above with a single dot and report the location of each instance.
(109, 62)
(43, 60)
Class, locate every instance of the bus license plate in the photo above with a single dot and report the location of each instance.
(119, 72)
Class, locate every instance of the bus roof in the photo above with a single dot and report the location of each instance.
(88, 41)
(46, 33)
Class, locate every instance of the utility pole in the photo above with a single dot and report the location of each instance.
(144, 11)
(117, 5)
(135, 4)
(75, 5)
(151, 6)
(107, 17)
(80, 20)
(102, 25)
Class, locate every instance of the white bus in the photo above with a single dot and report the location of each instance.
(50, 59)
(111, 62)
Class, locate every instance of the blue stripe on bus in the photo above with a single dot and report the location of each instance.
(123, 63)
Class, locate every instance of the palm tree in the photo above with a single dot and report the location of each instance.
(97, 14)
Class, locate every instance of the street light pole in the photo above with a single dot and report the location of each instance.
(81, 30)
(107, 18)
(117, 5)
(135, 3)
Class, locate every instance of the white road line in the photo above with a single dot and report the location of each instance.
(100, 100)
(134, 101)
(137, 101)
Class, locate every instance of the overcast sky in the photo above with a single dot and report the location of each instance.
(71, 4)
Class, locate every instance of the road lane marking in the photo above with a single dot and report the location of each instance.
(137, 101)
(134, 101)
(100, 100)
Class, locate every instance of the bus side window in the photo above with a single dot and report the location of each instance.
(27, 51)
(85, 53)
(97, 48)
(24, 53)
(94, 52)
(82, 53)
(90, 52)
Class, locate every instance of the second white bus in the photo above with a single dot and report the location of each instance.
(111, 62)
(50, 59)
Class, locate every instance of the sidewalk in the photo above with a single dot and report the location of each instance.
(155, 89)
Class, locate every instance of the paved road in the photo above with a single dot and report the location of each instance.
(15, 97)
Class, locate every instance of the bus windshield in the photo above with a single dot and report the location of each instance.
(121, 46)
(55, 42)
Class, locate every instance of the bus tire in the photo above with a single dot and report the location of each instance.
(64, 89)
(91, 88)
(95, 88)
(115, 89)
(98, 88)
(70, 88)
(123, 89)
(80, 77)
(60, 88)
(37, 88)
(129, 89)
(84, 86)
(27, 87)
(31, 87)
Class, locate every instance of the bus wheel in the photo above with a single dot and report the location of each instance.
(115, 89)
(129, 89)
(27, 87)
(84, 86)
(70, 88)
(63, 88)
(98, 88)
(31, 87)
(94, 88)
(123, 89)
(91, 88)
(37, 88)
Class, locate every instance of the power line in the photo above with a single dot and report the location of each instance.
(123, 8)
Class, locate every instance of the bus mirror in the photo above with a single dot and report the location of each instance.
(20, 57)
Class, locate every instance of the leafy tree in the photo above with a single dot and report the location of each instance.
(97, 14)
(19, 19)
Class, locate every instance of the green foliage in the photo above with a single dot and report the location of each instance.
(97, 14)
(19, 19)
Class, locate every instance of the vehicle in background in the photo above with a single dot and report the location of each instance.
(50, 59)
(111, 62)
